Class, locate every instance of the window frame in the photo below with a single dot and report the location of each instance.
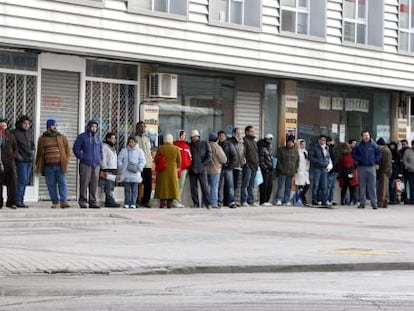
(153, 12)
(409, 30)
(356, 21)
(228, 24)
(297, 10)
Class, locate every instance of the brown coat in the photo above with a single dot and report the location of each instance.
(167, 180)
(64, 149)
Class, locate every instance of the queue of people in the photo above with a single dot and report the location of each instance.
(219, 169)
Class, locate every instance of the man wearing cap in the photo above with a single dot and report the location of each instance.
(264, 147)
(52, 160)
(88, 149)
(201, 153)
(8, 174)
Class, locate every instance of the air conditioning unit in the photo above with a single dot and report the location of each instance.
(162, 85)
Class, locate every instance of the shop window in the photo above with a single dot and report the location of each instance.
(363, 22)
(303, 17)
(406, 23)
(236, 12)
(176, 7)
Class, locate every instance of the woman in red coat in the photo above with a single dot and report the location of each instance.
(185, 162)
(348, 175)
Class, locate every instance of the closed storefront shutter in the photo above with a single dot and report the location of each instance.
(247, 111)
(60, 101)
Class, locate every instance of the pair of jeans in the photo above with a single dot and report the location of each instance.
(331, 185)
(213, 182)
(284, 188)
(320, 185)
(130, 193)
(24, 171)
(56, 180)
(247, 187)
(226, 179)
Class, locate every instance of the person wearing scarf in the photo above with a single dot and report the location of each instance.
(52, 160)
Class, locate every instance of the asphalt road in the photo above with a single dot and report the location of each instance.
(344, 291)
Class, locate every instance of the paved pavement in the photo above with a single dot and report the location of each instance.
(187, 240)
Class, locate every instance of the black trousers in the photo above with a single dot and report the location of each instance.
(9, 179)
(266, 187)
(202, 179)
(146, 175)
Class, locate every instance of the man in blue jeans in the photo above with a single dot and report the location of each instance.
(367, 154)
(24, 157)
(320, 159)
(52, 160)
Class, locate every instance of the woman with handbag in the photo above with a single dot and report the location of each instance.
(131, 162)
(348, 175)
(167, 160)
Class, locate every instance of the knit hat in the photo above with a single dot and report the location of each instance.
(168, 138)
(381, 141)
(269, 136)
(212, 137)
(50, 122)
(195, 133)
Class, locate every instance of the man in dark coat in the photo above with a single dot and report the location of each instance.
(264, 147)
(320, 160)
(250, 168)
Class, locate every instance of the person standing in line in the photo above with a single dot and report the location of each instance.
(52, 160)
(408, 162)
(144, 143)
(250, 168)
(109, 170)
(186, 160)
(238, 143)
(264, 147)
(348, 175)
(167, 189)
(226, 179)
(88, 149)
(321, 164)
(8, 173)
(404, 147)
(367, 155)
(396, 172)
(301, 178)
(288, 165)
(201, 153)
(24, 159)
(218, 158)
(131, 162)
(333, 172)
(383, 174)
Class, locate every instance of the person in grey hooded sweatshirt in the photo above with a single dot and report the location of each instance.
(88, 149)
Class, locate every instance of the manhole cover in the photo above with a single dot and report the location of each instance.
(364, 252)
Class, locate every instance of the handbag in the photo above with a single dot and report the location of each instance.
(132, 167)
(161, 163)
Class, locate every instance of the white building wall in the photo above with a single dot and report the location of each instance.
(112, 31)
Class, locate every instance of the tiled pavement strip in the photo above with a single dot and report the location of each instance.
(185, 240)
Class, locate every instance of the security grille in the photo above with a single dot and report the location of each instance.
(112, 105)
(17, 96)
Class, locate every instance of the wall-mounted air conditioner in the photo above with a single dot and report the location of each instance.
(162, 85)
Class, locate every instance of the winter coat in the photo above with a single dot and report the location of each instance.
(366, 154)
(218, 158)
(318, 158)
(265, 155)
(133, 155)
(231, 154)
(251, 152)
(25, 144)
(396, 164)
(333, 157)
(346, 163)
(385, 164)
(167, 180)
(110, 158)
(302, 175)
(240, 151)
(185, 153)
(64, 149)
(88, 148)
(201, 153)
(288, 163)
(144, 143)
(9, 150)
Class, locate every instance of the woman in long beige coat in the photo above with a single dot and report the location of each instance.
(167, 188)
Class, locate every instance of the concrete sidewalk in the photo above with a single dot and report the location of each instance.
(248, 239)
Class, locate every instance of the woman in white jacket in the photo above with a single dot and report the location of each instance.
(131, 161)
(302, 176)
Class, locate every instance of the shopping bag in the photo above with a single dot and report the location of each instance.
(258, 180)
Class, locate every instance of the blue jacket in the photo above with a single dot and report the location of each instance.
(317, 157)
(366, 154)
(88, 148)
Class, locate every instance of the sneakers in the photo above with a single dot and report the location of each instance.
(132, 206)
(329, 203)
(244, 204)
(233, 205)
(253, 204)
(126, 206)
(266, 204)
(287, 204)
(278, 203)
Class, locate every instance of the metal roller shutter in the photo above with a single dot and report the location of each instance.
(60, 101)
(247, 111)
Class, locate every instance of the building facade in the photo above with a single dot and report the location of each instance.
(300, 67)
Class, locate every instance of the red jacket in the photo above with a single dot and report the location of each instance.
(185, 154)
(346, 161)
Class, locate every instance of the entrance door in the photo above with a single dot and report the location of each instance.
(60, 101)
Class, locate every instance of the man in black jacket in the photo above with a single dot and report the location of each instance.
(226, 178)
(264, 146)
(201, 156)
(250, 168)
